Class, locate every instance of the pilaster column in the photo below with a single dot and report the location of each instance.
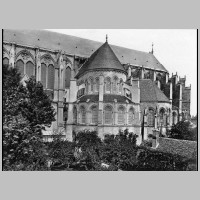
(156, 121)
(38, 65)
(180, 102)
(158, 84)
(12, 56)
(170, 118)
(129, 71)
(60, 114)
(154, 75)
(167, 78)
(101, 93)
(142, 73)
(171, 92)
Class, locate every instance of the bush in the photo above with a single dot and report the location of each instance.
(87, 139)
(153, 160)
(183, 131)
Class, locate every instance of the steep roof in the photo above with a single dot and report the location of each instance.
(102, 58)
(79, 46)
(149, 92)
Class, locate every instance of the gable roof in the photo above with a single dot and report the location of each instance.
(103, 58)
(149, 92)
(78, 46)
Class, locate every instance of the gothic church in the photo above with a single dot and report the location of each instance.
(98, 86)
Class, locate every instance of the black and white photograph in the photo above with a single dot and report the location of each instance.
(99, 100)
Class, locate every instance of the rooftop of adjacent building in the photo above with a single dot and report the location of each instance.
(78, 46)
(149, 92)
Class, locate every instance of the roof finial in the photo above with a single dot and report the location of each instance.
(152, 48)
(106, 38)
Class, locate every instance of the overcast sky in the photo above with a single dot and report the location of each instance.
(175, 49)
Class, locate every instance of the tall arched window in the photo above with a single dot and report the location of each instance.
(75, 115)
(121, 115)
(82, 115)
(115, 84)
(162, 116)
(50, 77)
(67, 77)
(97, 84)
(86, 87)
(43, 74)
(108, 115)
(94, 114)
(151, 117)
(90, 85)
(30, 69)
(108, 85)
(5, 61)
(130, 116)
(174, 118)
(20, 66)
(121, 86)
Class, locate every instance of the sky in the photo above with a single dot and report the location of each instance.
(176, 49)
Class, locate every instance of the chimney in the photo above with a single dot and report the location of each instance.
(155, 139)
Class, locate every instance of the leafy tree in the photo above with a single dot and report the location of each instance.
(87, 139)
(182, 130)
(25, 115)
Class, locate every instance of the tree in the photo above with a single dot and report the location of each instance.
(26, 112)
(182, 130)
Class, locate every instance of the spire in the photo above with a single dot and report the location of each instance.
(152, 48)
(106, 38)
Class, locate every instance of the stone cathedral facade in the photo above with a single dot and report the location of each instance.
(98, 86)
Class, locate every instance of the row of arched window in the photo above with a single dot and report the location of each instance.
(162, 117)
(114, 86)
(47, 72)
(108, 115)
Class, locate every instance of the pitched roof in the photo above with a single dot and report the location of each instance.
(78, 46)
(183, 148)
(103, 58)
(106, 98)
(149, 92)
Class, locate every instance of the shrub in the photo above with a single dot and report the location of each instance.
(182, 130)
(87, 139)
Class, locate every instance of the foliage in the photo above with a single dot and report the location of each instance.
(23, 114)
(87, 139)
(60, 151)
(153, 160)
(119, 150)
(183, 131)
(37, 108)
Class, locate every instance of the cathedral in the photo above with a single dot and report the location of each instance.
(98, 86)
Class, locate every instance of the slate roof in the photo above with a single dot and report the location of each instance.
(183, 148)
(106, 98)
(103, 58)
(79, 46)
(149, 92)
